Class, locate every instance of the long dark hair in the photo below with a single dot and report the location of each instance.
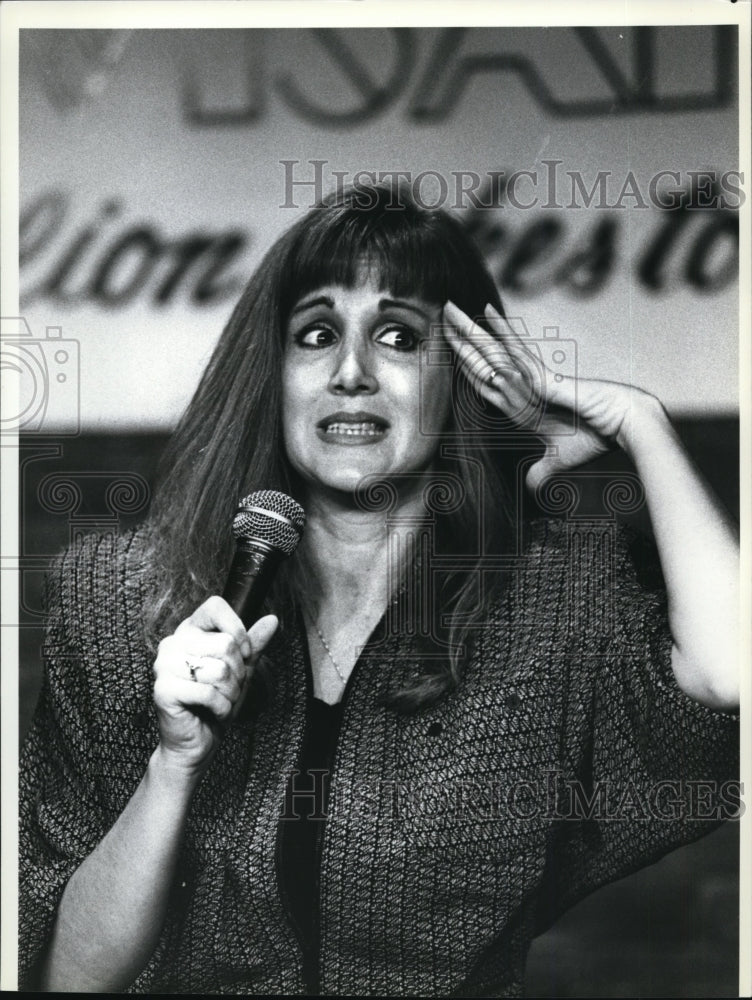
(229, 441)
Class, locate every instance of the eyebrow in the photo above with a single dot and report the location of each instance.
(327, 300)
(401, 304)
(320, 300)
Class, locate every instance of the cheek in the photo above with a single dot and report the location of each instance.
(436, 400)
(296, 387)
(293, 403)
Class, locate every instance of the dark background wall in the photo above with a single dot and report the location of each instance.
(668, 930)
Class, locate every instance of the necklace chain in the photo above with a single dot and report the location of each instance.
(325, 644)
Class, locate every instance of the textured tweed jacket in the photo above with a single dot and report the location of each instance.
(566, 758)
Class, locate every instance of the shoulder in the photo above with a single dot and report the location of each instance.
(96, 659)
(599, 547)
(574, 579)
(91, 557)
(558, 534)
(95, 580)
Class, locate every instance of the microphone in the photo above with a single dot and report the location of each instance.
(267, 528)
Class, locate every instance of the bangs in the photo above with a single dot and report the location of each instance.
(413, 254)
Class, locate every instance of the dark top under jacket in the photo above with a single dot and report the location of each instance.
(563, 760)
(304, 816)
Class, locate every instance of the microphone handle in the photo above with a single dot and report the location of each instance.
(250, 577)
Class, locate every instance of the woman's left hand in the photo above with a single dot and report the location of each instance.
(577, 419)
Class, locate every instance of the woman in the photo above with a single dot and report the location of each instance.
(480, 711)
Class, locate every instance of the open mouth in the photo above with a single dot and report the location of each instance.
(352, 427)
(365, 428)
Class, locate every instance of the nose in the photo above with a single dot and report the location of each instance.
(353, 372)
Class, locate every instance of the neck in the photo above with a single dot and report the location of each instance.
(357, 554)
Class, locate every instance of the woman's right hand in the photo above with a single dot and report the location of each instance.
(195, 706)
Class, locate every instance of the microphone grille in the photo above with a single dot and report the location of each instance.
(271, 517)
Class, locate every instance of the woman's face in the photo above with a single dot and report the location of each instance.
(355, 402)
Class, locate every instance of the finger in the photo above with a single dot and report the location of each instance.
(512, 341)
(491, 350)
(474, 366)
(528, 364)
(172, 692)
(557, 389)
(244, 688)
(517, 376)
(517, 398)
(195, 643)
(219, 674)
(259, 636)
(261, 633)
(510, 394)
(216, 615)
(193, 648)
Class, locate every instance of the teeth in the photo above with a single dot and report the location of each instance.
(368, 429)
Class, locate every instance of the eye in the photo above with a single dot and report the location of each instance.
(315, 335)
(401, 338)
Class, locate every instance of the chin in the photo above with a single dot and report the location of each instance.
(346, 480)
(346, 477)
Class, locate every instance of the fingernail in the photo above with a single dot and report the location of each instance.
(245, 648)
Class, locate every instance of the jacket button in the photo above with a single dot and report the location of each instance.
(435, 729)
(141, 719)
(513, 700)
